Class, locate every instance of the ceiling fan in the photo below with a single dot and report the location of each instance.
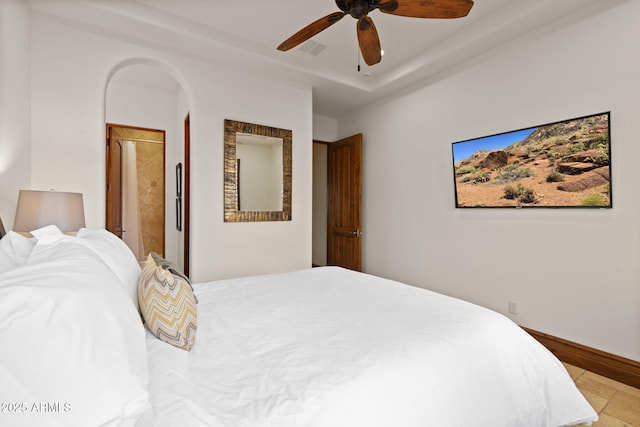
(368, 39)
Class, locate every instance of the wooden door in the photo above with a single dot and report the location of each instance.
(344, 222)
(114, 185)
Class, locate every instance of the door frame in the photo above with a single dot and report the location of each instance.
(109, 127)
(186, 196)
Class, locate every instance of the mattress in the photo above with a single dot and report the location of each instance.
(329, 347)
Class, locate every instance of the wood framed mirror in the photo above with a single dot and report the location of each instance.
(260, 190)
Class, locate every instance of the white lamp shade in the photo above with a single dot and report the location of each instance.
(37, 209)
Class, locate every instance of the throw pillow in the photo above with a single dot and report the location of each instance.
(167, 303)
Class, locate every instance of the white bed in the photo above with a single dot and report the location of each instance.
(323, 347)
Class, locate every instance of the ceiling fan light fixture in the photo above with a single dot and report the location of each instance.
(359, 8)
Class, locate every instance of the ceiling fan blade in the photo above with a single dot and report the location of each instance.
(369, 41)
(438, 9)
(311, 30)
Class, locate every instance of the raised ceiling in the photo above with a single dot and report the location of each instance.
(245, 34)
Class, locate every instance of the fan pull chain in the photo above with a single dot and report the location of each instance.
(358, 60)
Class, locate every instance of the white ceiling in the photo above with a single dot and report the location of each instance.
(245, 34)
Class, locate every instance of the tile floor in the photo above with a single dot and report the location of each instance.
(617, 404)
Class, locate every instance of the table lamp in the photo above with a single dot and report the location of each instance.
(37, 209)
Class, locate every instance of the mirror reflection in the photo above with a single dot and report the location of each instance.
(257, 172)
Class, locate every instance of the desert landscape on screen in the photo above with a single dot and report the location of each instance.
(564, 164)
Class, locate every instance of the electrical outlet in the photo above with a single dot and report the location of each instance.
(513, 307)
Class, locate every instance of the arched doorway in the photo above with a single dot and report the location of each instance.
(147, 99)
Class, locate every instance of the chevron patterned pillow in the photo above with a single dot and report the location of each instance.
(167, 303)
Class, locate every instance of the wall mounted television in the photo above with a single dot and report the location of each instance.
(565, 164)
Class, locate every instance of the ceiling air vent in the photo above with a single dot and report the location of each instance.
(312, 48)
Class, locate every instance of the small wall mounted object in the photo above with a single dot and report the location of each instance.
(179, 197)
(179, 213)
(179, 180)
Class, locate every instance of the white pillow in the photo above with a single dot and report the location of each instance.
(116, 254)
(6, 255)
(15, 250)
(48, 234)
(6, 262)
(76, 342)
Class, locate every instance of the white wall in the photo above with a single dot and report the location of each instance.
(574, 273)
(70, 70)
(324, 129)
(15, 104)
(320, 204)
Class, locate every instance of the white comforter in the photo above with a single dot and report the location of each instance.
(328, 347)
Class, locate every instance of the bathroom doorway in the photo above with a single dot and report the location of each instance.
(135, 193)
